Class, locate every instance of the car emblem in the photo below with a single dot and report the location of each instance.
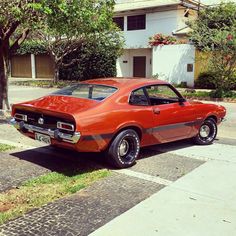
(41, 121)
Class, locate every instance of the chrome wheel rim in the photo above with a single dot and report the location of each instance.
(205, 131)
(124, 148)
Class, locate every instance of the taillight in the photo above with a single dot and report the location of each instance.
(20, 117)
(65, 126)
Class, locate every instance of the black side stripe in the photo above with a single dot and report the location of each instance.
(172, 126)
(149, 130)
(97, 137)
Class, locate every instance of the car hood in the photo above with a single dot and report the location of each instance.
(60, 104)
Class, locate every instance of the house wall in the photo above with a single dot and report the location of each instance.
(163, 20)
(156, 22)
(170, 63)
(125, 62)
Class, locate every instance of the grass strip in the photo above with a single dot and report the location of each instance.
(5, 147)
(42, 190)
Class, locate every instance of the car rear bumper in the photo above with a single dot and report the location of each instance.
(55, 134)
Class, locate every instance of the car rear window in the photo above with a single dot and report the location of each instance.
(87, 91)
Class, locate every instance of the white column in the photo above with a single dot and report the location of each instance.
(33, 68)
(125, 23)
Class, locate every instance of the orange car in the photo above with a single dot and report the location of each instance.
(117, 115)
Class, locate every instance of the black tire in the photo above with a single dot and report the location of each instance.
(124, 149)
(207, 132)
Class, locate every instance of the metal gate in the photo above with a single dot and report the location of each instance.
(44, 66)
(21, 66)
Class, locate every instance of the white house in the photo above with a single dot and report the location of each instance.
(141, 19)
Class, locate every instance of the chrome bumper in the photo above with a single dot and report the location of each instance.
(55, 134)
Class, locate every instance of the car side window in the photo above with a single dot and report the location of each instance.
(138, 98)
(161, 94)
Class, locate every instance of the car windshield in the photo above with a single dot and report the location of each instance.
(89, 91)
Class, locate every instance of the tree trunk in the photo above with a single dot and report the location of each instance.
(4, 103)
(56, 73)
(2, 79)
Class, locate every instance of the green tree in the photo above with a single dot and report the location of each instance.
(17, 18)
(94, 59)
(72, 23)
(62, 24)
(214, 31)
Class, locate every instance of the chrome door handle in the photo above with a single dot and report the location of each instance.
(156, 111)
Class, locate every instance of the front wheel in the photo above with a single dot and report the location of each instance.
(124, 149)
(207, 132)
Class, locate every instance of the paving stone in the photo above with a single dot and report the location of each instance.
(13, 171)
(165, 165)
(85, 211)
(20, 165)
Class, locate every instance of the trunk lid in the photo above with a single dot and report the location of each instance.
(59, 104)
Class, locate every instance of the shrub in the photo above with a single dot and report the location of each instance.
(205, 81)
(161, 39)
(214, 31)
(94, 60)
(32, 47)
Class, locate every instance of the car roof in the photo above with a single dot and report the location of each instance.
(125, 82)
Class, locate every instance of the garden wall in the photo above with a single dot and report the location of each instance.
(174, 63)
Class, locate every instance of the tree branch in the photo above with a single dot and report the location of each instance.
(11, 29)
(67, 65)
(19, 41)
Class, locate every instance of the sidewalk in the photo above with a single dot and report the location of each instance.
(200, 203)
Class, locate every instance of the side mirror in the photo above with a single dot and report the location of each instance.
(182, 100)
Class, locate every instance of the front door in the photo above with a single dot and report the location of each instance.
(172, 120)
(139, 67)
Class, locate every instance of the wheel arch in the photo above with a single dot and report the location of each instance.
(212, 116)
(136, 128)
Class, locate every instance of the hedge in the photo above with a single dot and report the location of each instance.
(95, 60)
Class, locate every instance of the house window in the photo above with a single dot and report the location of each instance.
(136, 22)
(119, 21)
(189, 67)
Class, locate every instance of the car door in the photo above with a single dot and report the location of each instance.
(173, 119)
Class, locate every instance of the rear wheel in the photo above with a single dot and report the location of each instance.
(207, 132)
(124, 149)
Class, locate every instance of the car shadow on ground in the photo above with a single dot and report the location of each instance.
(72, 163)
(63, 161)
